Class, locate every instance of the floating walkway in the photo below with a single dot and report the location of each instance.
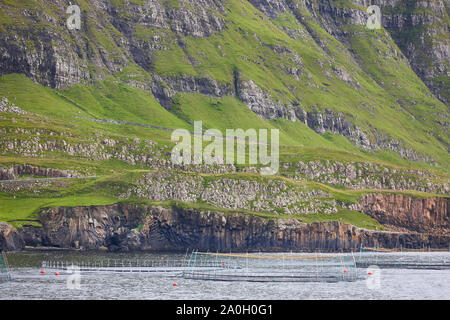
(131, 266)
(370, 258)
(405, 265)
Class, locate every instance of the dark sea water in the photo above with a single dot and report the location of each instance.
(396, 282)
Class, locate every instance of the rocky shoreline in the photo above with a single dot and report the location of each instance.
(134, 227)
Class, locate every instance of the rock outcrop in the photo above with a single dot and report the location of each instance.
(261, 103)
(140, 227)
(366, 176)
(13, 172)
(420, 29)
(45, 55)
(10, 238)
(274, 196)
(431, 215)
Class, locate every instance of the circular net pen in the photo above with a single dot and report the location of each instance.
(316, 267)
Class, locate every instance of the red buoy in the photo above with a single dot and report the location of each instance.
(42, 271)
(57, 274)
(175, 284)
(345, 271)
(223, 264)
(369, 273)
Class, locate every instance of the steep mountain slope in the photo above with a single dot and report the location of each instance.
(231, 49)
(420, 29)
(96, 106)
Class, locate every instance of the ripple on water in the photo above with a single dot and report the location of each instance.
(395, 283)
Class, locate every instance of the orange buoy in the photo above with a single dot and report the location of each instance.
(57, 274)
(42, 271)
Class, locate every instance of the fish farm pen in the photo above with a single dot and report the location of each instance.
(120, 265)
(260, 267)
(263, 267)
(288, 267)
(371, 257)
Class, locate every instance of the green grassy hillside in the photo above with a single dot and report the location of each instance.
(131, 79)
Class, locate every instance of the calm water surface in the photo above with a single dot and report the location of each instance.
(395, 283)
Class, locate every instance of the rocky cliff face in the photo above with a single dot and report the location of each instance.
(45, 53)
(414, 214)
(420, 29)
(140, 227)
(10, 238)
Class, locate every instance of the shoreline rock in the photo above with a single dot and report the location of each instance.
(131, 227)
